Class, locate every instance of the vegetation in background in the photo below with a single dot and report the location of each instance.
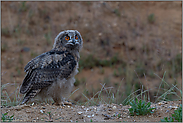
(4, 47)
(48, 38)
(151, 18)
(90, 62)
(166, 92)
(5, 97)
(117, 12)
(23, 6)
(34, 54)
(5, 32)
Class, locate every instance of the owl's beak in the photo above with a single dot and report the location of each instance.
(73, 41)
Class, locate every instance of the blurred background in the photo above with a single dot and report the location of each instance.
(130, 48)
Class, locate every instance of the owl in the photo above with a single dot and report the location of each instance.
(51, 74)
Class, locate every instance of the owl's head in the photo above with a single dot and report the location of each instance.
(69, 40)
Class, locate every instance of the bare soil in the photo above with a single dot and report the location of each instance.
(100, 113)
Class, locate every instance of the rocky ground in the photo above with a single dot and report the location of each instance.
(76, 113)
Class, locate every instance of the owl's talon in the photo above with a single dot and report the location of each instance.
(56, 104)
(67, 103)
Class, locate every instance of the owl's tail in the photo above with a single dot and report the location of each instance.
(29, 95)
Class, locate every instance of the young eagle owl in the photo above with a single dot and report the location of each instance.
(51, 74)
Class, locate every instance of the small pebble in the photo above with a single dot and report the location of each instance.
(80, 112)
(32, 104)
(95, 109)
(174, 107)
(100, 34)
(114, 107)
(170, 106)
(41, 111)
(43, 107)
(167, 111)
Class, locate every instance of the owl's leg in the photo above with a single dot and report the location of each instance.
(57, 101)
(62, 102)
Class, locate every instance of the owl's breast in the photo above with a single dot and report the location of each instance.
(75, 71)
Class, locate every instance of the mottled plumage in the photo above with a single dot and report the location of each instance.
(51, 74)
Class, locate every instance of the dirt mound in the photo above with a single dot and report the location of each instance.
(75, 113)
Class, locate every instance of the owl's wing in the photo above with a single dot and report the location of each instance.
(43, 70)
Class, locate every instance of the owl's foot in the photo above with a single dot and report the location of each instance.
(62, 103)
(67, 103)
(56, 104)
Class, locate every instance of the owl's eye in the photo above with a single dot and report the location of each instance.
(76, 37)
(67, 38)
